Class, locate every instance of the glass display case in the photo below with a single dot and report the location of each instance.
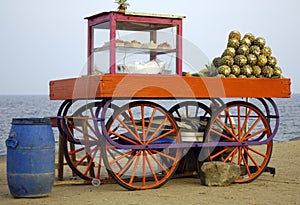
(136, 43)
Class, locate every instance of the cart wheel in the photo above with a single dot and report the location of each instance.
(141, 123)
(81, 143)
(241, 122)
(191, 117)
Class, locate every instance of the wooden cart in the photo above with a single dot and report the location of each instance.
(135, 128)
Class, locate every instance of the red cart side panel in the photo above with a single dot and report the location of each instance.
(166, 87)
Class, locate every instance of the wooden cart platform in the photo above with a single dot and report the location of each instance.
(166, 87)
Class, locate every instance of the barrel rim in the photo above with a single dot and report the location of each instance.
(31, 121)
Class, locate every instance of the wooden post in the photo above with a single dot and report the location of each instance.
(60, 165)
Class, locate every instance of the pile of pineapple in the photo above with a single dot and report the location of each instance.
(246, 57)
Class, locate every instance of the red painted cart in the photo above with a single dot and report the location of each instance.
(134, 126)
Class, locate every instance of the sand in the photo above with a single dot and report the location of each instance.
(283, 188)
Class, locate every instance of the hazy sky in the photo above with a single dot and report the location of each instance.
(43, 40)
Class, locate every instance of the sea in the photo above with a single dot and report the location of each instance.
(39, 106)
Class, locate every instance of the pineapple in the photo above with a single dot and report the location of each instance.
(232, 76)
(234, 43)
(250, 36)
(224, 69)
(251, 59)
(227, 60)
(235, 70)
(256, 70)
(235, 34)
(243, 50)
(267, 71)
(221, 76)
(246, 70)
(240, 60)
(242, 76)
(272, 61)
(254, 50)
(217, 62)
(266, 51)
(262, 60)
(277, 71)
(229, 51)
(260, 42)
(246, 41)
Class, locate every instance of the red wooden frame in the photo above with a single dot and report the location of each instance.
(114, 17)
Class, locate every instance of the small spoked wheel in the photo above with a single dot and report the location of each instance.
(240, 122)
(192, 118)
(141, 123)
(81, 143)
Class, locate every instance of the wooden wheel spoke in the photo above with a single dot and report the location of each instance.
(126, 166)
(85, 134)
(143, 121)
(159, 163)
(254, 134)
(157, 130)
(76, 151)
(245, 121)
(82, 159)
(227, 129)
(129, 130)
(239, 156)
(117, 160)
(144, 169)
(230, 122)
(161, 136)
(91, 159)
(222, 135)
(123, 137)
(150, 123)
(164, 155)
(251, 128)
(178, 114)
(233, 152)
(151, 168)
(239, 121)
(137, 156)
(257, 152)
(133, 122)
(219, 153)
(186, 111)
(127, 155)
(252, 159)
(245, 164)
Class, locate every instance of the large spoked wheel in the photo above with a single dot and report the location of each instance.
(81, 143)
(241, 122)
(141, 123)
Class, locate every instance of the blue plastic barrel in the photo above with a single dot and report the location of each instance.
(30, 157)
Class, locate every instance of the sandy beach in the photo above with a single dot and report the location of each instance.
(283, 188)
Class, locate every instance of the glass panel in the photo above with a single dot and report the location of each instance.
(141, 48)
(101, 36)
(145, 48)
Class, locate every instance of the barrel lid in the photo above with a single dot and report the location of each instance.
(30, 121)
